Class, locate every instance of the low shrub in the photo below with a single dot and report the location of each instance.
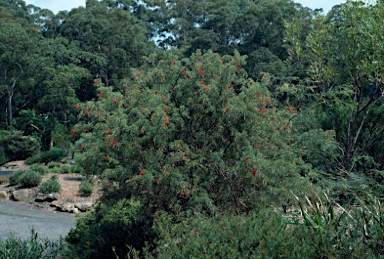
(34, 247)
(53, 165)
(50, 186)
(14, 179)
(111, 231)
(53, 155)
(77, 169)
(65, 169)
(30, 179)
(42, 170)
(86, 188)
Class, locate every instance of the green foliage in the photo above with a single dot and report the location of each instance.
(86, 187)
(346, 82)
(3, 157)
(193, 134)
(52, 155)
(65, 169)
(14, 179)
(50, 186)
(42, 170)
(31, 248)
(16, 146)
(30, 179)
(321, 227)
(110, 231)
(76, 169)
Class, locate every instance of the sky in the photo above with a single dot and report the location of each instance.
(59, 5)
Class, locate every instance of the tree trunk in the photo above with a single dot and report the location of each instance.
(10, 96)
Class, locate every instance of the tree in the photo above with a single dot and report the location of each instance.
(343, 51)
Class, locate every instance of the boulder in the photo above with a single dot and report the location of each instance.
(3, 195)
(84, 206)
(21, 195)
(40, 197)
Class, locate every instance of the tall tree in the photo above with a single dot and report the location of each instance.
(344, 51)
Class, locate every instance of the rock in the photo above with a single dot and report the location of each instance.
(21, 195)
(3, 195)
(84, 206)
(40, 197)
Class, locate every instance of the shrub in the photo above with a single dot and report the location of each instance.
(14, 179)
(30, 178)
(18, 147)
(53, 165)
(65, 169)
(110, 232)
(86, 188)
(42, 170)
(50, 186)
(31, 248)
(47, 156)
(3, 157)
(77, 169)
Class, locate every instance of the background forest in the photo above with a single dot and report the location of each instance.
(228, 129)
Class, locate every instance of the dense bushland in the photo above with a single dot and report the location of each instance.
(211, 135)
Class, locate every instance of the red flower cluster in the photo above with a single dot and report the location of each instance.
(254, 172)
(201, 71)
(166, 118)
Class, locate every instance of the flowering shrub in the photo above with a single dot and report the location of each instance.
(192, 134)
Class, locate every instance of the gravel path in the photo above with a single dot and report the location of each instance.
(20, 218)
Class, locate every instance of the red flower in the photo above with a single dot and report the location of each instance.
(142, 172)
(165, 110)
(157, 180)
(226, 110)
(113, 143)
(101, 95)
(72, 132)
(107, 185)
(106, 140)
(288, 108)
(238, 64)
(202, 82)
(254, 172)
(167, 122)
(186, 75)
(274, 121)
(183, 72)
(139, 72)
(109, 132)
(156, 92)
(106, 158)
(230, 86)
(174, 62)
(238, 71)
(78, 106)
(206, 88)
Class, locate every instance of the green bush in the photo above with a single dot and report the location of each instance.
(14, 179)
(65, 169)
(18, 147)
(30, 179)
(77, 169)
(50, 186)
(32, 248)
(3, 157)
(110, 232)
(39, 168)
(53, 165)
(86, 188)
(53, 155)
